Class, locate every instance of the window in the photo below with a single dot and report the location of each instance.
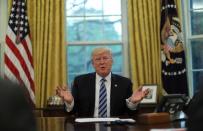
(193, 10)
(91, 23)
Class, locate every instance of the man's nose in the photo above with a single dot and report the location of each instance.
(102, 60)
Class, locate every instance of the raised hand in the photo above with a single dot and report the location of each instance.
(138, 95)
(64, 94)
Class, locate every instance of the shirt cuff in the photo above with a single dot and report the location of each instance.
(69, 107)
(130, 105)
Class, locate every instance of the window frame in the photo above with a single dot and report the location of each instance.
(186, 15)
(123, 42)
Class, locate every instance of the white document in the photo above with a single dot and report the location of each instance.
(129, 120)
(95, 119)
(172, 129)
(83, 120)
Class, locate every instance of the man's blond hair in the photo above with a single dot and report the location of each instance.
(100, 50)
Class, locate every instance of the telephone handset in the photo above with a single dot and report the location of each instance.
(173, 103)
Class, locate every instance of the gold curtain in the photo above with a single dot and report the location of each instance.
(47, 19)
(144, 38)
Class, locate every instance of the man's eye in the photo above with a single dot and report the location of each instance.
(105, 58)
(98, 59)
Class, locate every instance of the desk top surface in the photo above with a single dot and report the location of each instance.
(69, 124)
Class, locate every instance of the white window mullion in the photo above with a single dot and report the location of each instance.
(126, 60)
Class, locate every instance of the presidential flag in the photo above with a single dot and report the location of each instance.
(18, 49)
(174, 75)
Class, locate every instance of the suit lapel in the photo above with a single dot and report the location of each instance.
(92, 92)
(113, 91)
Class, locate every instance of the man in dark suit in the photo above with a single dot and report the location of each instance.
(15, 112)
(85, 96)
(195, 112)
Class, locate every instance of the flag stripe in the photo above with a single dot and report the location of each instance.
(28, 52)
(12, 68)
(13, 72)
(17, 65)
(9, 74)
(22, 51)
(23, 64)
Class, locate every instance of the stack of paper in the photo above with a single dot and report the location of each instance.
(82, 120)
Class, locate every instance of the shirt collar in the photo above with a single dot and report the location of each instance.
(108, 77)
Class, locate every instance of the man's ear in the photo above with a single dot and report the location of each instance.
(92, 63)
(112, 61)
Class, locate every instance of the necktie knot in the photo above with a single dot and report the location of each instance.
(103, 80)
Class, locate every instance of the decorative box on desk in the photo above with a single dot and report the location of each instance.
(55, 107)
(154, 118)
(147, 108)
(54, 111)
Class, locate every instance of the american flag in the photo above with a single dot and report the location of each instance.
(18, 49)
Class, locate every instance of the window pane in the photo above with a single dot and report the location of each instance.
(94, 29)
(196, 4)
(112, 7)
(86, 21)
(93, 7)
(75, 7)
(79, 60)
(112, 28)
(197, 80)
(197, 54)
(197, 22)
(76, 59)
(75, 28)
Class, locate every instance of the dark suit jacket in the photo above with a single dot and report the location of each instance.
(195, 112)
(83, 91)
(15, 112)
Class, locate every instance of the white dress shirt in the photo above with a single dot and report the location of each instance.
(108, 91)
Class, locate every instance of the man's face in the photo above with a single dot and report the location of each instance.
(102, 62)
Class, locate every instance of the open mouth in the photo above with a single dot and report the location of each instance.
(103, 68)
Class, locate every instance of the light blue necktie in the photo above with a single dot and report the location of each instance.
(102, 99)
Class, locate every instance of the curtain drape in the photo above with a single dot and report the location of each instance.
(47, 19)
(144, 39)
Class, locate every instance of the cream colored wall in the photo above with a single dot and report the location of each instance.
(3, 28)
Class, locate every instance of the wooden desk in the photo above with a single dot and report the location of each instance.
(55, 111)
(59, 111)
(68, 124)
